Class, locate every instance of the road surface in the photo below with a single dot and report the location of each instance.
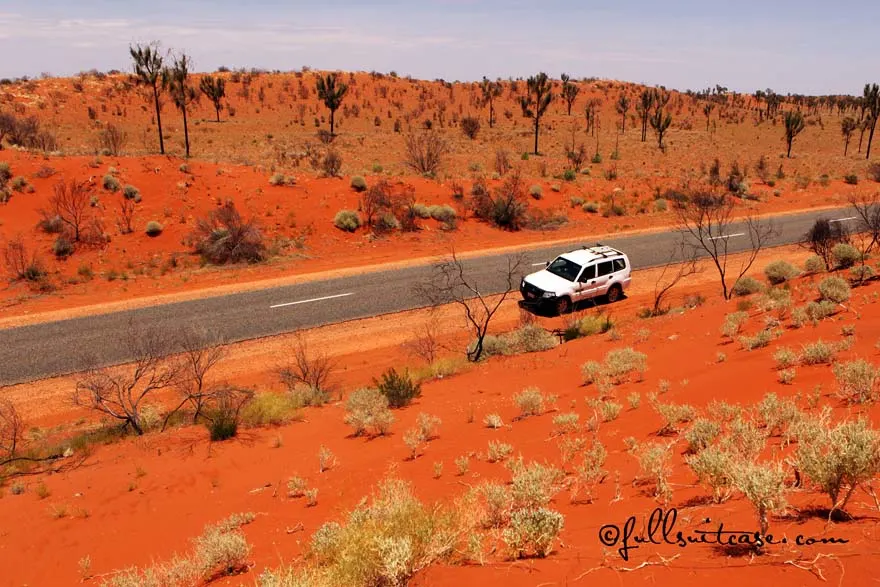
(56, 348)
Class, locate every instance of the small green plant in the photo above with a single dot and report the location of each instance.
(780, 271)
(845, 255)
(673, 415)
(498, 451)
(786, 376)
(746, 285)
(347, 220)
(733, 323)
(785, 357)
(326, 459)
(814, 264)
(111, 184)
(399, 388)
(153, 228)
(764, 486)
(358, 183)
(463, 464)
(713, 466)
(655, 467)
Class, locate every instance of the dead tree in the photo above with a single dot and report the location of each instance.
(12, 431)
(307, 367)
(867, 211)
(120, 392)
(199, 353)
(450, 284)
(706, 218)
(70, 202)
(126, 216)
(682, 263)
(823, 236)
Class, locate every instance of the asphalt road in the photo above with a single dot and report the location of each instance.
(55, 348)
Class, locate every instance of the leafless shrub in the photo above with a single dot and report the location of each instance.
(424, 344)
(20, 263)
(313, 369)
(111, 140)
(12, 431)
(199, 354)
(120, 392)
(502, 162)
(425, 151)
(126, 216)
(70, 203)
(224, 237)
(375, 201)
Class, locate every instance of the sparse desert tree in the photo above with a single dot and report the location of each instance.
(660, 122)
(225, 237)
(646, 101)
(21, 264)
(176, 79)
(539, 94)
(491, 90)
(847, 127)
(707, 110)
(425, 151)
(623, 104)
(70, 203)
(214, 88)
(682, 263)
(199, 353)
(570, 91)
(823, 236)
(705, 219)
(871, 99)
(867, 211)
(12, 429)
(480, 300)
(331, 91)
(148, 70)
(794, 125)
(121, 392)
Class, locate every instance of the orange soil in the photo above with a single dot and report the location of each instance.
(140, 500)
(234, 160)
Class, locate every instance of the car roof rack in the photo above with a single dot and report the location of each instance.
(606, 252)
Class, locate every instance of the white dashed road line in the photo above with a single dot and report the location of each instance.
(312, 300)
(715, 238)
(843, 219)
(538, 264)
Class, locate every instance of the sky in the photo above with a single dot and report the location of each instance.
(805, 46)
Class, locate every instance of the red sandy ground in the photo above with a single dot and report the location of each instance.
(141, 500)
(234, 160)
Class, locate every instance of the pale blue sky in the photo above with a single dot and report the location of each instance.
(805, 46)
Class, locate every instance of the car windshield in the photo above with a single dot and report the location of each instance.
(564, 268)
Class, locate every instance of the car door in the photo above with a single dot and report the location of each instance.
(586, 283)
(604, 272)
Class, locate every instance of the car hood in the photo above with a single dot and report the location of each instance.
(548, 281)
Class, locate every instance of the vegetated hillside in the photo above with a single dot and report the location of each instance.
(749, 393)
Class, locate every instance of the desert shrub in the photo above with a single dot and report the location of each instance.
(786, 376)
(422, 211)
(331, 164)
(425, 151)
(656, 468)
(776, 414)
(129, 192)
(861, 272)
(111, 184)
(660, 205)
(856, 381)
(673, 415)
(816, 353)
(530, 402)
(496, 506)
(498, 451)
(224, 237)
(845, 255)
(62, 247)
(347, 220)
(358, 183)
(591, 372)
(620, 363)
(713, 467)
(834, 289)
(281, 180)
(383, 541)
(785, 357)
(780, 271)
(493, 421)
(814, 264)
(586, 326)
(269, 409)
(153, 228)
(399, 388)
(565, 423)
(532, 531)
(733, 322)
(444, 213)
(746, 285)
(532, 338)
(19, 183)
(533, 485)
(815, 311)
(744, 439)
(470, 126)
(873, 171)
(701, 434)
(839, 459)
(493, 346)
(223, 414)
(367, 409)
(608, 410)
(536, 192)
(591, 207)
(506, 207)
(764, 486)
(851, 179)
(759, 340)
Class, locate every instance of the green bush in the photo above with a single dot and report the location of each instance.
(111, 183)
(845, 255)
(814, 264)
(620, 363)
(591, 207)
(660, 205)
(269, 409)
(533, 339)
(422, 211)
(746, 285)
(851, 179)
(834, 289)
(758, 341)
(861, 272)
(444, 213)
(347, 220)
(569, 175)
(532, 531)
(62, 247)
(153, 228)
(536, 192)
(816, 311)
(399, 388)
(358, 183)
(587, 326)
(816, 353)
(130, 192)
(780, 271)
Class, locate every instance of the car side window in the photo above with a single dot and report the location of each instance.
(588, 274)
(606, 268)
(619, 264)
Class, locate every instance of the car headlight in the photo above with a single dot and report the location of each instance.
(548, 294)
(522, 283)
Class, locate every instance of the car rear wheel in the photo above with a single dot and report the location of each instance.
(563, 305)
(614, 293)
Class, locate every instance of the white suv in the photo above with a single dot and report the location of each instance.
(580, 275)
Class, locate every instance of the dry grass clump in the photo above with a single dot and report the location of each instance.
(619, 366)
(857, 381)
(530, 401)
(654, 462)
(713, 467)
(367, 410)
